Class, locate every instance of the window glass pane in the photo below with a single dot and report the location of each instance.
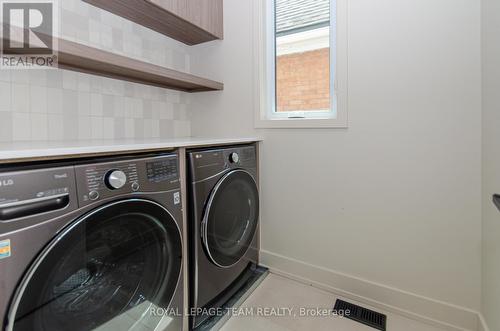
(302, 55)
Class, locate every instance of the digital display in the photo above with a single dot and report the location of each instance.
(162, 170)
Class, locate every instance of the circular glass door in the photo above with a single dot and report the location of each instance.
(231, 218)
(102, 272)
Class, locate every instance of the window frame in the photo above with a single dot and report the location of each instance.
(265, 57)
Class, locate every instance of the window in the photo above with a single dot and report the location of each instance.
(303, 63)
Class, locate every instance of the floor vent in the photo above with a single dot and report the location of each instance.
(362, 315)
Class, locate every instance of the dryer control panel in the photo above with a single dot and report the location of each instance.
(100, 181)
(211, 162)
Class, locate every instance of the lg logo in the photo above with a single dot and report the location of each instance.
(6, 182)
(28, 27)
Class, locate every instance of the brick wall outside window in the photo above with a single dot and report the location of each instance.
(303, 81)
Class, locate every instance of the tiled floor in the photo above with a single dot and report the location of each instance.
(277, 292)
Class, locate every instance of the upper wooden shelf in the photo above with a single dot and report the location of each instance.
(77, 57)
(189, 21)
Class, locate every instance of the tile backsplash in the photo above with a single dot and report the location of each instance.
(48, 104)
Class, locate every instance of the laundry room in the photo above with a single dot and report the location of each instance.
(233, 165)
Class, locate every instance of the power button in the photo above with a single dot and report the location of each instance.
(135, 186)
(93, 195)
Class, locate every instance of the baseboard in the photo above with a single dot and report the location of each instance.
(482, 326)
(427, 310)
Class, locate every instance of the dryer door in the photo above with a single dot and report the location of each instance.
(231, 218)
(105, 271)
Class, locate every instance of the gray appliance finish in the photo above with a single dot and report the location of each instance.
(223, 225)
(93, 245)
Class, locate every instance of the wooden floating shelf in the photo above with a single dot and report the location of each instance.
(188, 21)
(77, 57)
(82, 58)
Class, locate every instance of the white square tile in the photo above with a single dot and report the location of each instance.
(142, 91)
(94, 32)
(174, 96)
(129, 107)
(155, 129)
(167, 112)
(83, 104)
(70, 102)
(70, 80)
(38, 77)
(96, 104)
(20, 98)
(137, 108)
(97, 127)
(21, 127)
(55, 126)
(158, 108)
(39, 126)
(20, 76)
(82, 8)
(106, 37)
(148, 128)
(70, 126)
(84, 128)
(182, 128)
(5, 75)
(169, 58)
(139, 129)
(166, 128)
(5, 96)
(82, 35)
(69, 5)
(84, 83)
(117, 87)
(119, 107)
(119, 131)
(159, 94)
(5, 126)
(180, 112)
(54, 78)
(54, 100)
(38, 99)
(95, 84)
(108, 128)
(129, 128)
(106, 85)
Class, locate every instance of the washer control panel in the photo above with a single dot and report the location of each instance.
(162, 170)
(99, 181)
(27, 193)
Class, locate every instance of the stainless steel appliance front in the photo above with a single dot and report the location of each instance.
(89, 251)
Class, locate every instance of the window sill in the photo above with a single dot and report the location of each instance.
(301, 123)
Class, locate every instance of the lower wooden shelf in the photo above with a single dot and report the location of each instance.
(82, 58)
(77, 57)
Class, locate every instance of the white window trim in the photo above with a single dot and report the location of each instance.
(263, 41)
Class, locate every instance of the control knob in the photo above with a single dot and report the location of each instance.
(115, 179)
(234, 158)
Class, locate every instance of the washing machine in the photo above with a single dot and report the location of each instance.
(92, 245)
(223, 226)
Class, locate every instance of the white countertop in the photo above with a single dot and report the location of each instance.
(26, 151)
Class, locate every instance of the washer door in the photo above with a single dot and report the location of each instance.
(231, 218)
(103, 272)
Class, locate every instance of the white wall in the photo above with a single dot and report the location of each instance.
(491, 161)
(396, 198)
